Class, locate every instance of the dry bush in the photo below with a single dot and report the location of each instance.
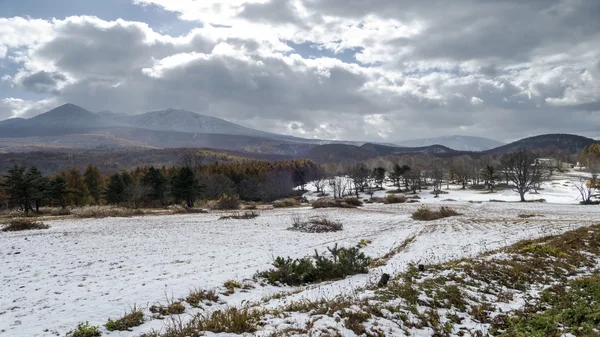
(353, 201)
(197, 297)
(23, 225)
(394, 199)
(331, 203)
(131, 319)
(426, 214)
(316, 225)
(251, 206)
(228, 202)
(240, 216)
(105, 212)
(178, 209)
(290, 202)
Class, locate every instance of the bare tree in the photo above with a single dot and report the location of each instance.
(524, 171)
(587, 186)
(462, 170)
(338, 185)
(320, 181)
(437, 175)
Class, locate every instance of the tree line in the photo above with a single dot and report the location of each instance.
(29, 189)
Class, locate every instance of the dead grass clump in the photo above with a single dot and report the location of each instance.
(196, 297)
(228, 202)
(231, 320)
(527, 216)
(424, 213)
(316, 225)
(331, 203)
(394, 199)
(177, 209)
(132, 319)
(240, 216)
(251, 206)
(284, 203)
(353, 201)
(105, 212)
(175, 308)
(23, 225)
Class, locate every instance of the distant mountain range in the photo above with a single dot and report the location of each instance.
(73, 128)
(459, 143)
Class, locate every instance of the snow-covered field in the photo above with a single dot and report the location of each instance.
(90, 270)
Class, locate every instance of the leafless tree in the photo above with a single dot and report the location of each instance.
(587, 186)
(320, 180)
(338, 185)
(523, 170)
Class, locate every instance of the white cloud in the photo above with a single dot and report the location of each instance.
(394, 69)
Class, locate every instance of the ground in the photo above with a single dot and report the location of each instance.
(90, 270)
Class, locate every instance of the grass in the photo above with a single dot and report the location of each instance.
(85, 330)
(316, 225)
(105, 212)
(231, 320)
(132, 319)
(228, 202)
(394, 199)
(196, 297)
(23, 225)
(333, 203)
(174, 308)
(285, 203)
(424, 213)
(385, 258)
(241, 216)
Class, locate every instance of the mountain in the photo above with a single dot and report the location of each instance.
(458, 143)
(342, 152)
(565, 142)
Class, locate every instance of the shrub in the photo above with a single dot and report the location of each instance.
(394, 199)
(426, 214)
(85, 330)
(240, 216)
(331, 203)
(353, 201)
(23, 225)
(228, 202)
(290, 202)
(175, 308)
(125, 323)
(105, 212)
(321, 225)
(294, 272)
(231, 320)
(197, 296)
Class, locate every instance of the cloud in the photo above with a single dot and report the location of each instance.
(379, 70)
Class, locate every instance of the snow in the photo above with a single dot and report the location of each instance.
(93, 269)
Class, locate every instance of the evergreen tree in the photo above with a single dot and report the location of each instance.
(58, 190)
(17, 187)
(115, 190)
(78, 191)
(94, 183)
(157, 184)
(185, 186)
(38, 186)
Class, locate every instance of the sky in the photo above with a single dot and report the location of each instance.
(378, 70)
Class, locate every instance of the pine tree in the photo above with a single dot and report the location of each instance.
(38, 186)
(17, 187)
(58, 190)
(94, 183)
(115, 190)
(78, 191)
(185, 186)
(157, 183)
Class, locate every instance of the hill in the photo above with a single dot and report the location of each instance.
(114, 160)
(458, 143)
(565, 142)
